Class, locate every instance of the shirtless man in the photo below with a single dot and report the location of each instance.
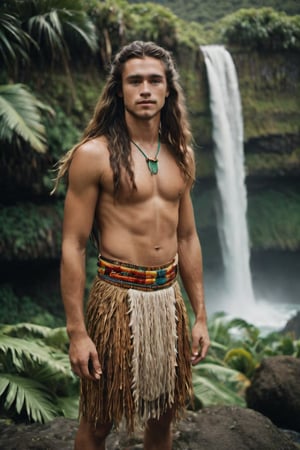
(129, 181)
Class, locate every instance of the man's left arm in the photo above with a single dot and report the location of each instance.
(191, 272)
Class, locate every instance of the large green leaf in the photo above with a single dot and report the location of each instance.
(20, 117)
(24, 352)
(28, 395)
(54, 337)
(213, 392)
(216, 384)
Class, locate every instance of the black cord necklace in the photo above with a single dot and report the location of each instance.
(151, 163)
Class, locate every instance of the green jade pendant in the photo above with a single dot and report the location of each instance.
(151, 163)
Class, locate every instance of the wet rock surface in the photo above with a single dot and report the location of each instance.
(213, 428)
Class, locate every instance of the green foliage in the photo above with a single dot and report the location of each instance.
(20, 117)
(274, 219)
(237, 348)
(38, 30)
(118, 23)
(151, 23)
(241, 360)
(36, 379)
(216, 384)
(14, 42)
(56, 27)
(156, 23)
(15, 309)
(263, 29)
(42, 236)
(205, 11)
(61, 132)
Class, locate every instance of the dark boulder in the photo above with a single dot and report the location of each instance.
(275, 391)
(293, 326)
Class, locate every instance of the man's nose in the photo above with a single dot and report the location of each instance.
(145, 88)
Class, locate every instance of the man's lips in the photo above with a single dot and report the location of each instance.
(146, 102)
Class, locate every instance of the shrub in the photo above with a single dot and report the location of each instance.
(262, 29)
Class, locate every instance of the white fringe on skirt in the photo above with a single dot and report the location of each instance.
(154, 334)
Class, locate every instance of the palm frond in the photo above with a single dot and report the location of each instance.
(20, 116)
(46, 30)
(82, 30)
(14, 42)
(28, 395)
(60, 382)
(23, 352)
(59, 27)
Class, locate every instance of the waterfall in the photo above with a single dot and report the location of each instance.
(231, 206)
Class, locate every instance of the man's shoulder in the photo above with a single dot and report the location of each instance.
(96, 147)
(91, 158)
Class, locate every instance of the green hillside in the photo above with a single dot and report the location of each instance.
(209, 11)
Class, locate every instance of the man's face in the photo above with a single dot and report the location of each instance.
(144, 87)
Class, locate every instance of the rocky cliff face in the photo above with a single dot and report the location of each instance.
(270, 92)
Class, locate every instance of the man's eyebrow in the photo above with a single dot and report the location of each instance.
(138, 76)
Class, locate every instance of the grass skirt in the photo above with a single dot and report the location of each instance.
(144, 350)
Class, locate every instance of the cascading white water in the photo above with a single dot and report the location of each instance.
(226, 110)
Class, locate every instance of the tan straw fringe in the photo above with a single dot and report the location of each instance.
(144, 349)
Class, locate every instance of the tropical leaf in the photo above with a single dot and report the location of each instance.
(24, 352)
(213, 392)
(24, 329)
(14, 42)
(222, 373)
(53, 337)
(27, 395)
(36, 370)
(58, 26)
(20, 117)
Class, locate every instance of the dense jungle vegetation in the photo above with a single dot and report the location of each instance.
(53, 55)
(205, 11)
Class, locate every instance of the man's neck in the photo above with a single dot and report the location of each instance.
(144, 131)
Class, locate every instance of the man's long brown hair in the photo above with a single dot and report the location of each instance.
(109, 117)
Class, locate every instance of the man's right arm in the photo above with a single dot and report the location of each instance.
(80, 204)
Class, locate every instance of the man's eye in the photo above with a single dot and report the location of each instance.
(134, 82)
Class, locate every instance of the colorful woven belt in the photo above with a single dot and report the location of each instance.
(137, 277)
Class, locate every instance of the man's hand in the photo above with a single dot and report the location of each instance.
(200, 342)
(84, 357)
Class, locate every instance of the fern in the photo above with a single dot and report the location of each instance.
(35, 372)
(28, 396)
